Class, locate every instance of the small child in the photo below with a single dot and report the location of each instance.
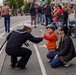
(51, 38)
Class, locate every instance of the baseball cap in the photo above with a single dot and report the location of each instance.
(51, 26)
(28, 25)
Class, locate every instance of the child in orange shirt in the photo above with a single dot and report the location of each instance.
(52, 38)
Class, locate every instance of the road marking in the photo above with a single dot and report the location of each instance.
(42, 46)
(43, 70)
(1, 35)
(2, 48)
(12, 28)
(14, 24)
(11, 25)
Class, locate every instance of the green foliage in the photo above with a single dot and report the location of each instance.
(26, 7)
(20, 3)
(49, 1)
(12, 3)
(16, 4)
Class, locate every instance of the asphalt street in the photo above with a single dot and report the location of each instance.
(37, 64)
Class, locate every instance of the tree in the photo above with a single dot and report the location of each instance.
(14, 4)
(49, 1)
(20, 3)
(26, 7)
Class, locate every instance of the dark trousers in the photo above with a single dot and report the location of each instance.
(7, 22)
(50, 18)
(65, 21)
(24, 53)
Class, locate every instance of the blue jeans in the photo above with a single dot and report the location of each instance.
(7, 22)
(56, 62)
(65, 21)
(58, 24)
(39, 18)
(50, 19)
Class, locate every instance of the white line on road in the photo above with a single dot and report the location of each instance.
(42, 46)
(43, 70)
(12, 28)
(1, 35)
(2, 48)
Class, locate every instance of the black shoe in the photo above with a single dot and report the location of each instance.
(35, 26)
(5, 30)
(9, 31)
(21, 66)
(13, 65)
(74, 37)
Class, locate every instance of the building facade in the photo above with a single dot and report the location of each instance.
(64, 1)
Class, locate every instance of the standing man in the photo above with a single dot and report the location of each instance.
(33, 15)
(48, 14)
(66, 15)
(14, 46)
(39, 14)
(6, 10)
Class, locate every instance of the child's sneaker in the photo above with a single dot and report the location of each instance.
(49, 60)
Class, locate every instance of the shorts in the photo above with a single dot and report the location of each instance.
(33, 18)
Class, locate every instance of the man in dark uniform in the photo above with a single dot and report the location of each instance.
(14, 46)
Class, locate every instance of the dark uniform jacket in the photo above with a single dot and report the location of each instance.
(67, 50)
(17, 38)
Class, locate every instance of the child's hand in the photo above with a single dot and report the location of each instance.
(51, 50)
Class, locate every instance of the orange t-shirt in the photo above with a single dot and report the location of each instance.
(51, 38)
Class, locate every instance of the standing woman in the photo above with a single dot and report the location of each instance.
(58, 15)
